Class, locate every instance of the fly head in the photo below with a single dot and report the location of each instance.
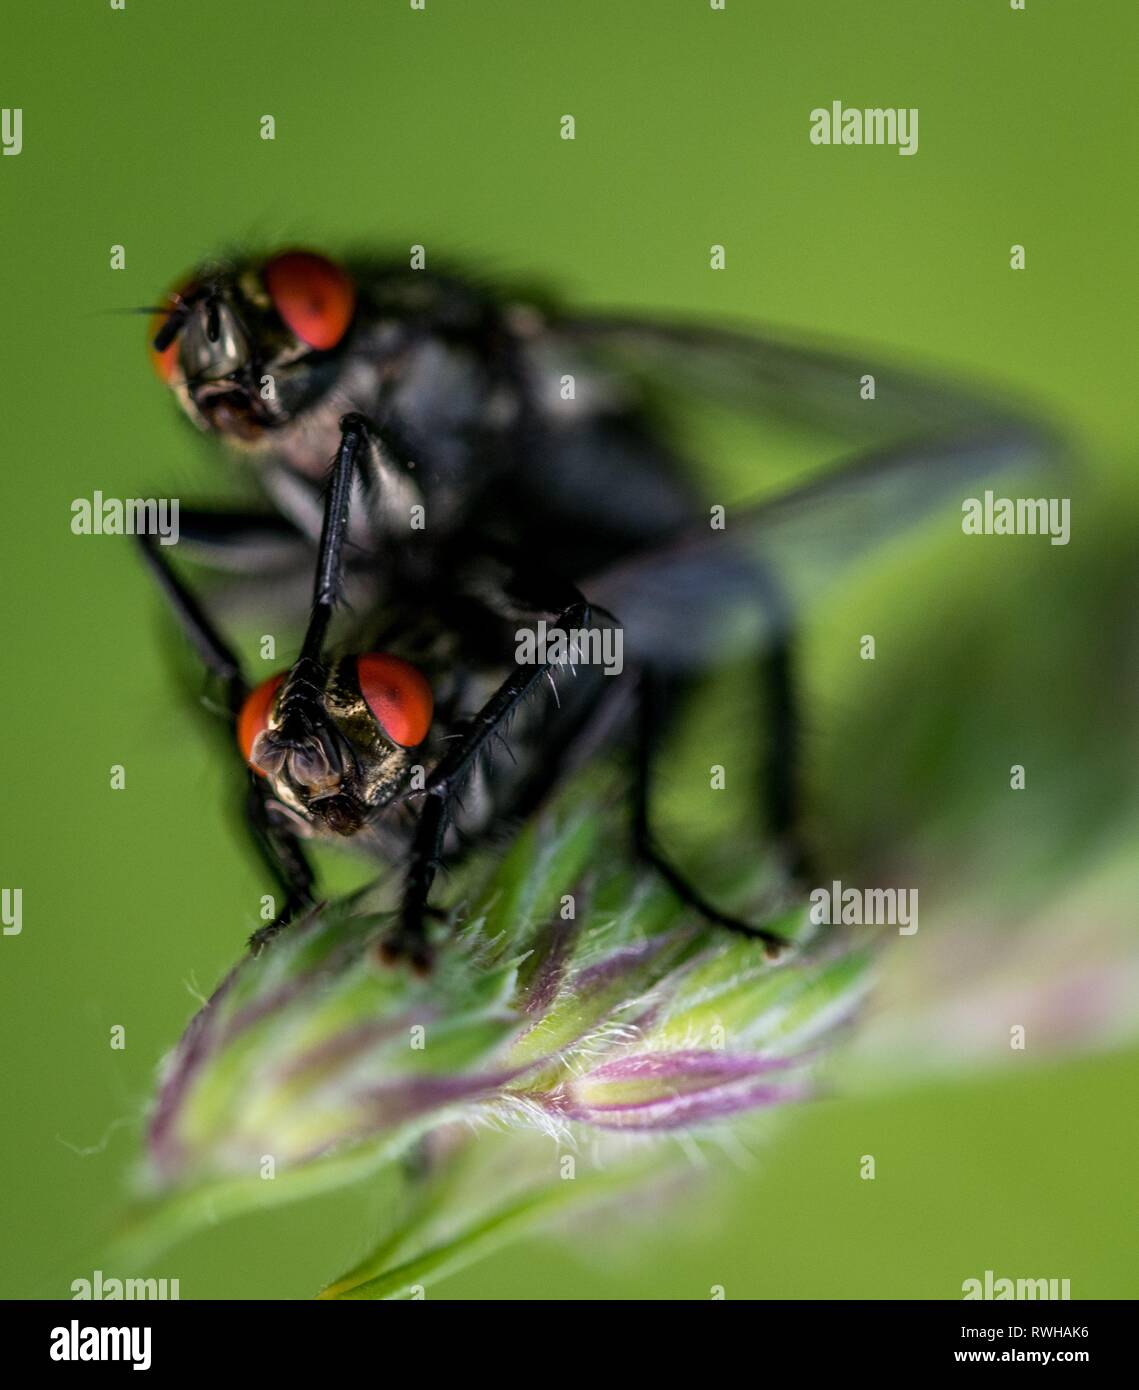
(247, 347)
(338, 743)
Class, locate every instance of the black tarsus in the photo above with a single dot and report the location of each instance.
(781, 773)
(649, 728)
(215, 652)
(286, 862)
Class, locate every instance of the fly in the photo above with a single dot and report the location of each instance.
(476, 497)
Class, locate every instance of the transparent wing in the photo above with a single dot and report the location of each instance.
(712, 594)
(764, 372)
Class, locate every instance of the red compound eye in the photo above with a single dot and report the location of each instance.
(313, 296)
(254, 716)
(398, 695)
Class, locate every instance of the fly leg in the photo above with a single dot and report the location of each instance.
(781, 771)
(360, 440)
(213, 650)
(329, 579)
(246, 542)
(279, 850)
(285, 860)
(649, 727)
(409, 940)
(780, 775)
(301, 715)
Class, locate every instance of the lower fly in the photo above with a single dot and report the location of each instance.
(369, 744)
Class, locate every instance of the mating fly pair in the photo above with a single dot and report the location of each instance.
(494, 465)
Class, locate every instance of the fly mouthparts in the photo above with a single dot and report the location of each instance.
(311, 768)
(343, 815)
(267, 753)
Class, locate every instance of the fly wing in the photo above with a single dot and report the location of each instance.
(765, 372)
(713, 594)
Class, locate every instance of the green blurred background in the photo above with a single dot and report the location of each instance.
(441, 127)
